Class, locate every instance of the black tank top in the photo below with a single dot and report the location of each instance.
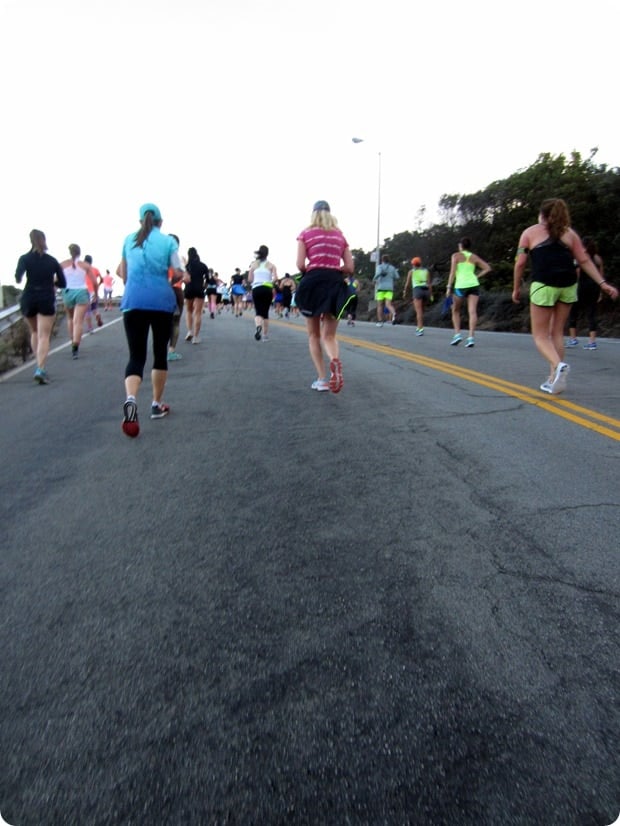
(553, 264)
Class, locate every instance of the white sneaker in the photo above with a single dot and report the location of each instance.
(321, 385)
(558, 382)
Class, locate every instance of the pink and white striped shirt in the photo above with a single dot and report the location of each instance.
(324, 248)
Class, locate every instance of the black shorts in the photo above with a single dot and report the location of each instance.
(463, 292)
(192, 293)
(211, 290)
(420, 292)
(34, 303)
(323, 292)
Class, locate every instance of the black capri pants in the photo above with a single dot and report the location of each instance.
(137, 325)
(262, 296)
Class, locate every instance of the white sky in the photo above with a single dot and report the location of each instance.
(234, 116)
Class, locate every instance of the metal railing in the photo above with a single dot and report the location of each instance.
(9, 316)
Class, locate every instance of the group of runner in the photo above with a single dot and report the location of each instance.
(326, 291)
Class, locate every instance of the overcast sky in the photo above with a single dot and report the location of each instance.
(234, 116)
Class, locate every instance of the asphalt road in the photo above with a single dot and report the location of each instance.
(395, 605)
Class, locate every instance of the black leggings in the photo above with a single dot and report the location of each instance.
(137, 325)
(587, 303)
(262, 297)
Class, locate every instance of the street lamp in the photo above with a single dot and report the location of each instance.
(378, 249)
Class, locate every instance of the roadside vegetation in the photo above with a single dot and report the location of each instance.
(494, 218)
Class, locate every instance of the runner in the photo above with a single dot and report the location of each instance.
(148, 305)
(354, 286)
(384, 279)
(553, 247)
(287, 287)
(95, 281)
(76, 296)
(211, 284)
(323, 255)
(195, 294)
(466, 286)
(237, 288)
(108, 286)
(421, 290)
(38, 301)
(261, 276)
(588, 297)
(177, 283)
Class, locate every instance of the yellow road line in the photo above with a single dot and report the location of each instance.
(559, 407)
(552, 404)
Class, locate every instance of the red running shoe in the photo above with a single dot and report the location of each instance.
(130, 425)
(335, 376)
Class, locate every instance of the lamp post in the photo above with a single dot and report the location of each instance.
(378, 248)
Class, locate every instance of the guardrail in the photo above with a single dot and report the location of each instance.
(9, 316)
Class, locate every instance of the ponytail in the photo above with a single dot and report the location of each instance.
(37, 239)
(557, 217)
(75, 253)
(148, 222)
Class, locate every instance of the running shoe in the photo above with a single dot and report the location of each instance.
(456, 339)
(158, 411)
(212, 315)
(188, 337)
(572, 342)
(546, 387)
(379, 324)
(470, 342)
(591, 345)
(196, 340)
(41, 376)
(174, 356)
(394, 319)
(558, 382)
(265, 338)
(74, 352)
(419, 331)
(258, 333)
(130, 425)
(335, 376)
(321, 385)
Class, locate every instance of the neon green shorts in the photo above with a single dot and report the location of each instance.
(544, 296)
(384, 295)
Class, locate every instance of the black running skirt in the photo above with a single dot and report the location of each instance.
(323, 292)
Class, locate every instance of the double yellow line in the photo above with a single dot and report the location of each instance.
(582, 416)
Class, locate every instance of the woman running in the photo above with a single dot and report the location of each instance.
(588, 297)
(38, 301)
(195, 294)
(553, 247)
(421, 289)
(77, 295)
(353, 285)
(148, 305)
(323, 257)
(287, 287)
(238, 291)
(211, 282)
(466, 287)
(261, 277)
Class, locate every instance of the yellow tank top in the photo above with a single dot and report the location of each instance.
(419, 277)
(466, 273)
